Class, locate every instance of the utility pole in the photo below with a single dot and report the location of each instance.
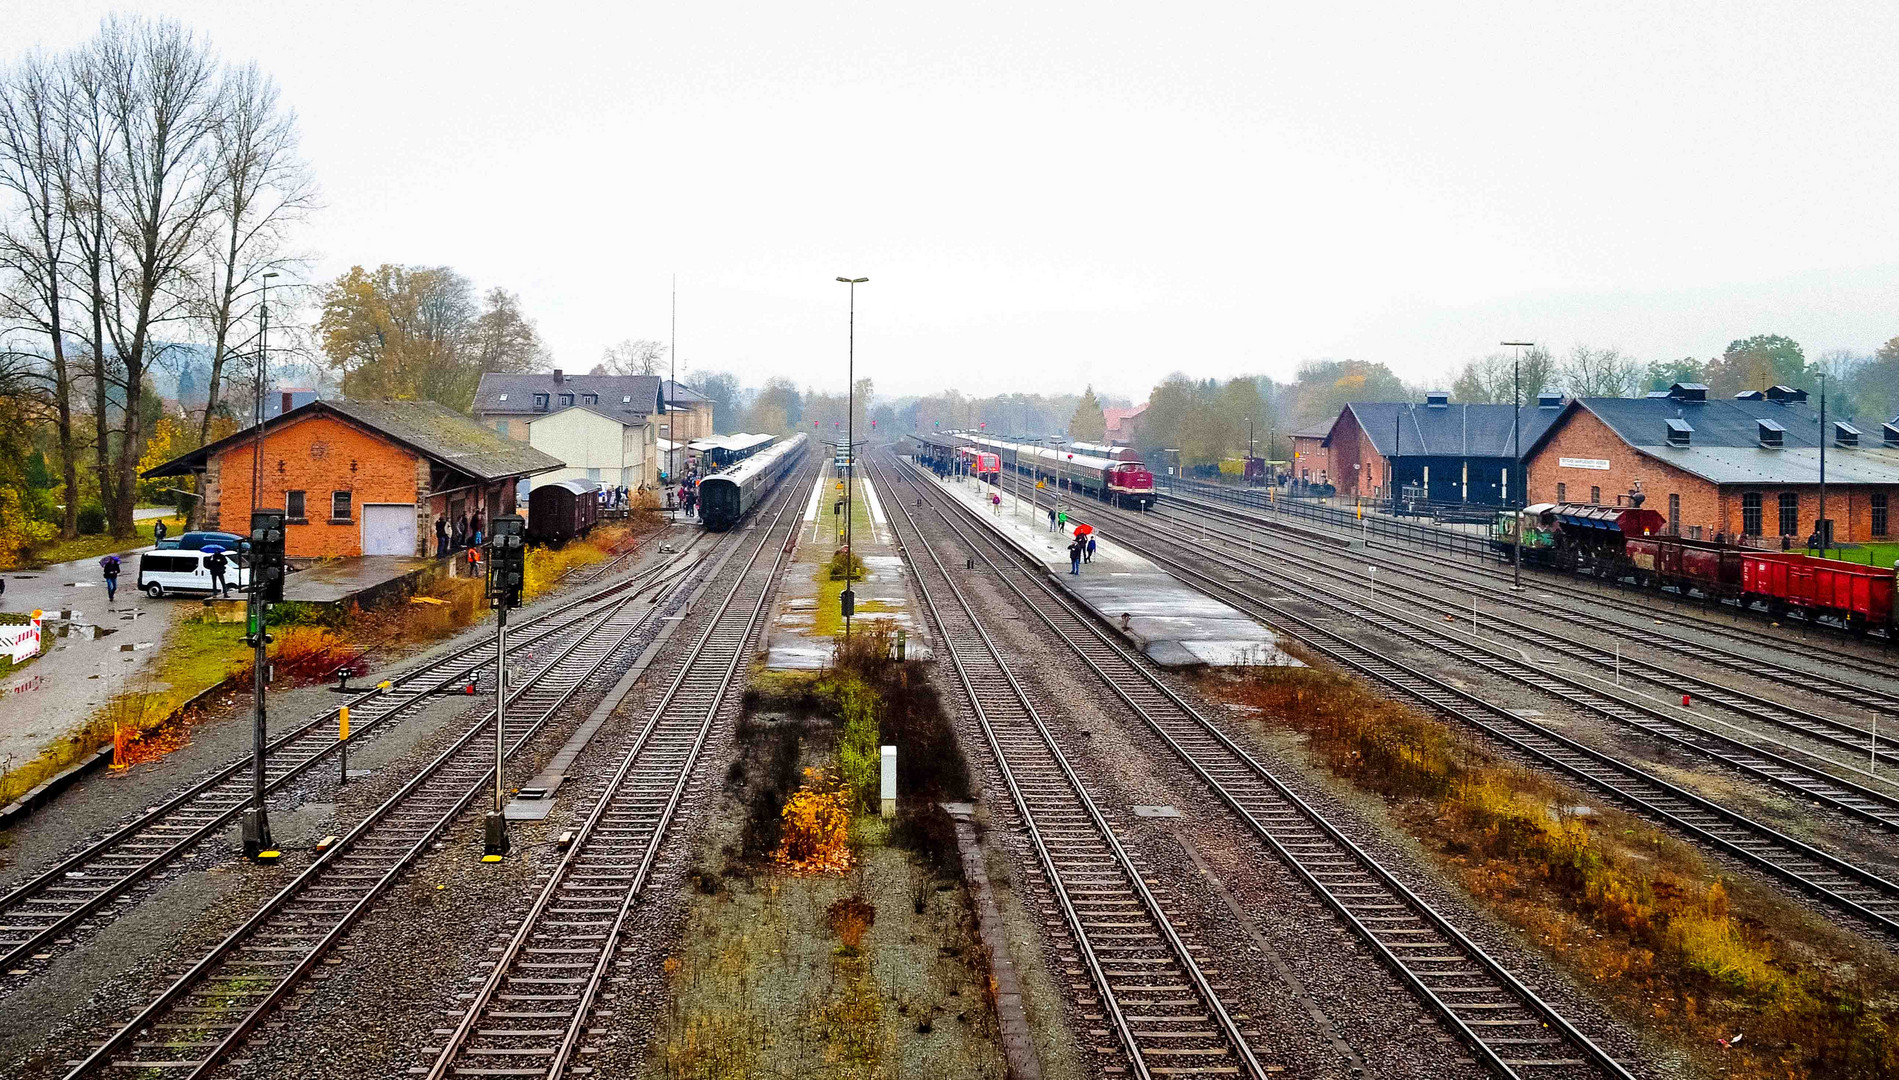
(849, 599)
(256, 824)
(1824, 534)
(1516, 454)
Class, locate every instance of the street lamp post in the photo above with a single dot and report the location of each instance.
(849, 599)
(1821, 532)
(1516, 454)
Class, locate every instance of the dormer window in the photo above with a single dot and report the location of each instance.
(1679, 432)
(1772, 434)
(1437, 399)
(1549, 400)
(1845, 435)
(1688, 391)
(540, 402)
(590, 399)
(566, 400)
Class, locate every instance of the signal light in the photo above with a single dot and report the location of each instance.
(507, 560)
(266, 558)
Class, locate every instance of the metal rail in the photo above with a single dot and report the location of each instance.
(1506, 1024)
(196, 1022)
(529, 1016)
(1838, 881)
(1157, 998)
(1855, 800)
(53, 903)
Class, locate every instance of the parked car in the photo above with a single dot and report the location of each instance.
(177, 570)
(194, 541)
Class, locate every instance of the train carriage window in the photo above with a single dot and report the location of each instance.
(1674, 514)
(1879, 513)
(1751, 513)
(1789, 513)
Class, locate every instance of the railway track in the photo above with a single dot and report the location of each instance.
(1818, 682)
(1841, 734)
(196, 1022)
(1163, 1009)
(1507, 1025)
(46, 909)
(1776, 769)
(1839, 882)
(529, 1017)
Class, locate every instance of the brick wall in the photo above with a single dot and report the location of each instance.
(1313, 462)
(1350, 447)
(317, 455)
(1715, 509)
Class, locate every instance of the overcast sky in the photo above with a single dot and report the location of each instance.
(1045, 194)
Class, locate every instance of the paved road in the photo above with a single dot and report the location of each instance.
(110, 647)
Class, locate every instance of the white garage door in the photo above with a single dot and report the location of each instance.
(389, 529)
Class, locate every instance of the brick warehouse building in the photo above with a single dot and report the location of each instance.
(362, 477)
(1451, 453)
(1743, 469)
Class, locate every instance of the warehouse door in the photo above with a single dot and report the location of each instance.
(389, 529)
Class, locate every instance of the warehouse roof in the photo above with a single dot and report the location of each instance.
(1467, 430)
(1723, 438)
(433, 430)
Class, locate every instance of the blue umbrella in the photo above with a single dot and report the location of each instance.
(212, 549)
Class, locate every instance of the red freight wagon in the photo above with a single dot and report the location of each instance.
(1670, 560)
(1860, 596)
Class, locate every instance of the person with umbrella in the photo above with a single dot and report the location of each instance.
(110, 564)
(217, 564)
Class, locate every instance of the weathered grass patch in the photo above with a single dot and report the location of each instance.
(1671, 944)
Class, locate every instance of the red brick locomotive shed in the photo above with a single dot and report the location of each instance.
(1741, 470)
(362, 477)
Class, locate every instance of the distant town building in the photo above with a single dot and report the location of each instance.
(1744, 469)
(688, 413)
(1122, 423)
(605, 428)
(1310, 461)
(362, 477)
(1449, 453)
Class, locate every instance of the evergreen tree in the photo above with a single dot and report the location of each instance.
(1088, 425)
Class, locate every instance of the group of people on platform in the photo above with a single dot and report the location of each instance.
(463, 532)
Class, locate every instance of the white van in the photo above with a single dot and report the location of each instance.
(164, 571)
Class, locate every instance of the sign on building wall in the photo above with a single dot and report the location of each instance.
(1583, 463)
(21, 643)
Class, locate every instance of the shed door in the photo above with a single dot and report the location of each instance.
(389, 529)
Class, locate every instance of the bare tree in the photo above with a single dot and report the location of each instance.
(259, 187)
(1494, 378)
(91, 145)
(35, 156)
(633, 357)
(503, 337)
(1591, 372)
(163, 101)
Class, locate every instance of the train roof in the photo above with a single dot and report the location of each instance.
(1046, 453)
(578, 487)
(1098, 449)
(736, 441)
(757, 462)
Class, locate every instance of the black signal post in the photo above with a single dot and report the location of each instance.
(265, 561)
(507, 569)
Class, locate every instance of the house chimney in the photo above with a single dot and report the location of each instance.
(287, 396)
(557, 379)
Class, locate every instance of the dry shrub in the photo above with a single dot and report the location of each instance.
(299, 654)
(464, 600)
(547, 566)
(845, 566)
(849, 917)
(815, 836)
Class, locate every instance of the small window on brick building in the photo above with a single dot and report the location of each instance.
(1595, 495)
(293, 505)
(1674, 514)
(1789, 514)
(1562, 493)
(339, 506)
(1751, 513)
(1879, 513)
(1694, 532)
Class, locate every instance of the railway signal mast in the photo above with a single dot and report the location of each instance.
(265, 561)
(849, 599)
(507, 568)
(1516, 465)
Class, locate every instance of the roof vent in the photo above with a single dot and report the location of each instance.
(1437, 399)
(1785, 394)
(1890, 432)
(1750, 395)
(1771, 434)
(1688, 391)
(1658, 394)
(1550, 399)
(1679, 431)
(1845, 435)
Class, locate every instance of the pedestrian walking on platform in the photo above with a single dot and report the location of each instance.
(110, 564)
(1051, 519)
(217, 564)
(1089, 555)
(441, 536)
(1074, 558)
(1061, 521)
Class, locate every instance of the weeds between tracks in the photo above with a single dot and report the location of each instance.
(1676, 948)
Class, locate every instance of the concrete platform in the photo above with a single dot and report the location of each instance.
(1171, 623)
(365, 580)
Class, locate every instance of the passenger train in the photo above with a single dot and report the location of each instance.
(1122, 482)
(728, 495)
